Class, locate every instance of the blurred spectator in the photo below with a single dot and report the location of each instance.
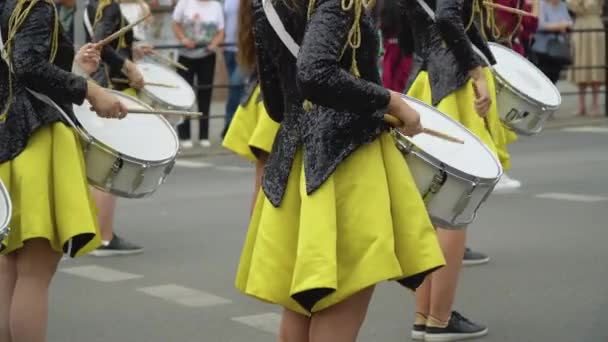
(395, 65)
(235, 79)
(66, 10)
(588, 50)
(199, 26)
(551, 40)
(513, 30)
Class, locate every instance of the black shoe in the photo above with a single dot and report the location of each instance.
(459, 328)
(418, 332)
(117, 246)
(474, 258)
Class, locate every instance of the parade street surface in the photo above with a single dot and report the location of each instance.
(546, 280)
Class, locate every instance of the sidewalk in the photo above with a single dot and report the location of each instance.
(564, 117)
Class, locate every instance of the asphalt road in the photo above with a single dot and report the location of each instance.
(547, 280)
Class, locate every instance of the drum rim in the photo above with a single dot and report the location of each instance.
(9, 208)
(92, 140)
(155, 98)
(429, 158)
(512, 88)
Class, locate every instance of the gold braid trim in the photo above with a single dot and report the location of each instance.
(101, 6)
(354, 34)
(17, 18)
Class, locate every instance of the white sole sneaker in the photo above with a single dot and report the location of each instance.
(454, 337)
(417, 335)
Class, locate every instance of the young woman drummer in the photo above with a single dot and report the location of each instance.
(106, 18)
(251, 132)
(41, 162)
(339, 211)
(450, 76)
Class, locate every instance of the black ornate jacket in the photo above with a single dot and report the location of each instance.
(347, 111)
(112, 56)
(442, 48)
(31, 51)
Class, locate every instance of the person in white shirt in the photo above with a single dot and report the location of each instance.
(235, 77)
(199, 26)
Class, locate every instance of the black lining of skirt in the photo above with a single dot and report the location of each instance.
(413, 282)
(78, 242)
(307, 299)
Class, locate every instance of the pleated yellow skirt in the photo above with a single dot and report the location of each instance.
(251, 129)
(50, 195)
(366, 224)
(459, 105)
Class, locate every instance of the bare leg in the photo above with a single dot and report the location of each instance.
(445, 279)
(8, 278)
(595, 87)
(423, 296)
(106, 204)
(341, 322)
(582, 108)
(36, 266)
(259, 174)
(294, 327)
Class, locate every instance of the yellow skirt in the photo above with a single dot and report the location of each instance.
(366, 224)
(50, 194)
(251, 129)
(459, 105)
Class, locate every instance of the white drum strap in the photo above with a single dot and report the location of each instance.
(279, 28)
(87, 22)
(45, 99)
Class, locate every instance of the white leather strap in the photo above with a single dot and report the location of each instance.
(279, 28)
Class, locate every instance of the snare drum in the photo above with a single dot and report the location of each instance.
(454, 179)
(131, 157)
(5, 211)
(181, 97)
(525, 97)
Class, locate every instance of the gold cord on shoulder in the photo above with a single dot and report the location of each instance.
(17, 18)
(354, 34)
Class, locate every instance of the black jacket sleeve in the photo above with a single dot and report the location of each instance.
(448, 16)
(30, 59)
(320, 76)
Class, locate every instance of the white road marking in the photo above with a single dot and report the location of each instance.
(268, 322)
(98, 273)
(192, 164)
(183, 295)
(587, 129)
(572, 197)
(235, 168)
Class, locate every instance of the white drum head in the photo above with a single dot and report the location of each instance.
(524, 76)
(5, 207)
(147, 137)
(180, 97)
(472, 157)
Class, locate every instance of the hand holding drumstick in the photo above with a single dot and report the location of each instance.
(401, 111)
(408, 120)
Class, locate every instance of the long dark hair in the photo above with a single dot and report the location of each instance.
(246, 52)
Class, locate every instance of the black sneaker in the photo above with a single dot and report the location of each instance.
(418, 332)
(459, 328)
(117, 246)
(474, 258)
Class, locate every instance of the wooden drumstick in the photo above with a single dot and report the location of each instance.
(396, 122)
(169, 61)
(125, 81)
(508, 9)
(121, 32)
(485, 118)
(163, 112)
